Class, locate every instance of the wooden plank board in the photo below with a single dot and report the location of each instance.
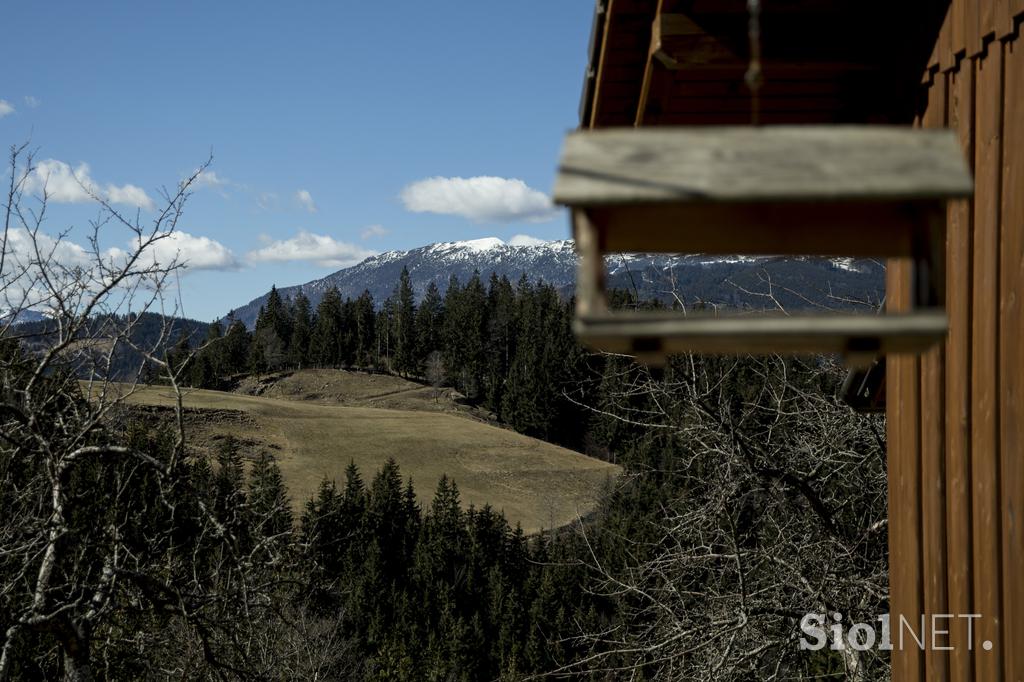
(670, 118)
(742, 104)
(944, 44)
(956, 19)
(903, 408)
(972, 34)
(958, 392)
(649, 66)
(1011, 358)
(1003, 19)
(653, 335)
(986, 508)
(823, 229)
(745, 163)
(933, 471)
(987, 18)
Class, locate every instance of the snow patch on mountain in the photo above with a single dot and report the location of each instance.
(722, 279)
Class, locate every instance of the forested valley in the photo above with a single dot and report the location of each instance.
(751, 496)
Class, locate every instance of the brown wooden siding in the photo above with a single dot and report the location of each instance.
(956, 414)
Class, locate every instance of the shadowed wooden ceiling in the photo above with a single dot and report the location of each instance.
(682, 62)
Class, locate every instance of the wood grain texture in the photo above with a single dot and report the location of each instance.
(590, 278)
(903, 410)
(823, 228)
(955, 19)
(665, 334)
(783, 163)
(958, 387)
(944, 45)
(1011, 359)
(933, 471)
(984, 363)
(972, 33)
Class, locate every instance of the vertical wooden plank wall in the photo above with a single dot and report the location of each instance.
(956, 415)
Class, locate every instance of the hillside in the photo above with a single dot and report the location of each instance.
(536, 484)
(728, 280)
(359, 389)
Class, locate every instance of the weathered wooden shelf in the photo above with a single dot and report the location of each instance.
(861, 191)
(779, 164)
(653, 336)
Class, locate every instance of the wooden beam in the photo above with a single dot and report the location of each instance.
(762, 228)
(958, 391)
(653, 336)
(590, 280)
(932, 424)
(1011, 358)
(903, 407)
(648, 77)
(743, 163)
(985, 374)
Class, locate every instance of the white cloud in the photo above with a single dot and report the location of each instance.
(305, 200)
(194, 252)
(481, 199)
(315, 248)
(266, 200)
(66, 186)
(209, 178)
(32, 102)
(525, 240)
(374, 231)
(22, 271)
(5, 108)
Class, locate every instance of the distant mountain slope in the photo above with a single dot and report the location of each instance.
(730, 280)
(21, 317)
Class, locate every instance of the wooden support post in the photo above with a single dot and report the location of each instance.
(590, 282)
(929, 245)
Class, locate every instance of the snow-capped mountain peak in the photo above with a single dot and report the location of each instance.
(721, 279)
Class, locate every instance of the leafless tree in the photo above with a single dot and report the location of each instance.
(107, 547)
(434, 372)
(780, 511)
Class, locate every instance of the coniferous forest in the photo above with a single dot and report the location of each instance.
(750, 496)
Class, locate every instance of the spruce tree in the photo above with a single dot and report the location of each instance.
(500, 342)
(301, 333)
(429, 324)
(269, 508)
(404, 324)
(236, 344)
(324, 346)
(365, 330)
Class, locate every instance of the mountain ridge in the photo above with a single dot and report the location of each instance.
(730, 280)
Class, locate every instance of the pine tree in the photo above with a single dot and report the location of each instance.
(464, 327)
(324, 344)
(302, 329)
(405, 326)
(229, 493)
(269, 508)
(365, 330)
(429, 324)
(319, 523)
(213, 350)
(500, 339)
(236, 344)
(179, 360)
(272, 334)
(383, 324)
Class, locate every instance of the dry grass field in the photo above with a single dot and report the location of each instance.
(357, 389)
(536, 484)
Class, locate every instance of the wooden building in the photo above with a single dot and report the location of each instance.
(956, 414)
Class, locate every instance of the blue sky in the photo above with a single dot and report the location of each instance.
(337, 128)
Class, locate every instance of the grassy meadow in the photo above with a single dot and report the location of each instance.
(316, 421)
